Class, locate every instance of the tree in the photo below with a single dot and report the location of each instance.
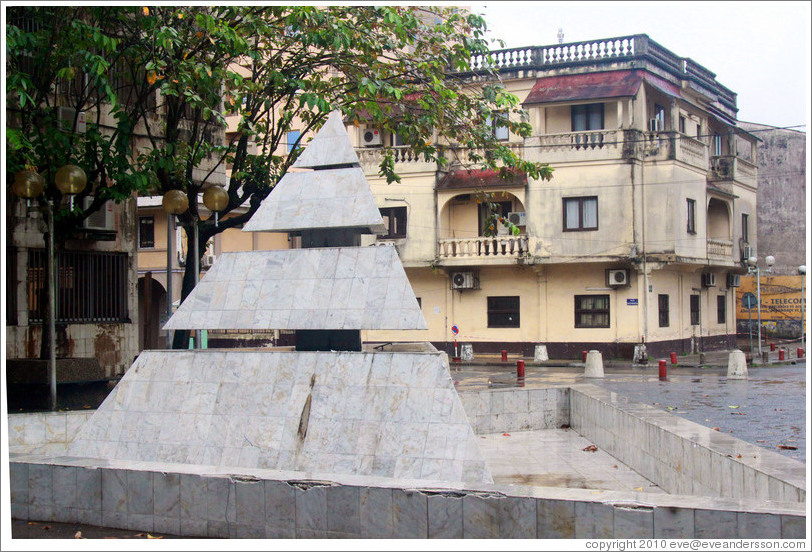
(274, 67)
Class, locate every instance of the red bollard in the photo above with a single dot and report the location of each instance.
(504, 355)
(674, 358)
(772, 346)
(583, 356)
(520, 372)
(800, 353)
(662, 369)
(781, 353)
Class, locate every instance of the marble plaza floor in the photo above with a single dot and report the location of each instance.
(556, 458)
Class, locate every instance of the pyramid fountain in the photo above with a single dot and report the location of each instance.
(326, 407)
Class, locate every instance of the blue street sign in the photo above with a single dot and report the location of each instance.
(454, 329)
(749, 300)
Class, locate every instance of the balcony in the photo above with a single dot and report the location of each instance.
(720, 250)
(406, 160)
(483, 250)
(578, 146)
(730, 168)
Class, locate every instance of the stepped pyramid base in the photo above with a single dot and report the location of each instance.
(383, 414)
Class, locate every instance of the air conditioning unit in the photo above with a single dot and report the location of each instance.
(208, 260)
(463, 280)
(708, 279)
(733, 280)
(747, 252)
(103, 219)
(372, 137)
(618, 277)
(66, 116)
(518, 218)
(655, 125)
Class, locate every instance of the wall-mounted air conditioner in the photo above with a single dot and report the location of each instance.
(747, 252)
(103, 219)
(733, 280)
(208, 260)
(66, 116)
(518, 218)
(372, 137)
(464, 280)
(617, 277)
(708, 279)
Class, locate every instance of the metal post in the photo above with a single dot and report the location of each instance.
(170, 237)
(803, 311)
(758, 299)
(51, 307)
(196, 265)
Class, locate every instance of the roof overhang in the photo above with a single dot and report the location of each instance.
(481, 178)
(592, 86)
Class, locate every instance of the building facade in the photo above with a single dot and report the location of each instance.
(638, 238)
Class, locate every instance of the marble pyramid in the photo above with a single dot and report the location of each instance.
(393, 415)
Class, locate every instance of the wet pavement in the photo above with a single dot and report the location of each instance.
(767, 409)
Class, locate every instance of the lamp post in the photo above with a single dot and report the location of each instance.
(174, 203)
(29, 184)
(802, 272)
(753, 268)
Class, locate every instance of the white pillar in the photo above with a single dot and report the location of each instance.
(737, 365)
(540, 354)
(594, 365)
(466, 352)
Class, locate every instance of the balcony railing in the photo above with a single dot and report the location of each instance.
(586, 140)
(483, 247)
(730, 167)
(720, 249)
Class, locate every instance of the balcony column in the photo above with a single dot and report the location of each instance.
(673, 111)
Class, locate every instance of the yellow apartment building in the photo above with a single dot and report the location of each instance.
(638, 238)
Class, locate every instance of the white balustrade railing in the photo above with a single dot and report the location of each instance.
(483, 247)
(585, 140)
(720, 248)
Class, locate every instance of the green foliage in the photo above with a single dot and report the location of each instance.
(158, 83)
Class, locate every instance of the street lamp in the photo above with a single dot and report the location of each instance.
(802, 272)
(29, 184)
(175, 202)
(753, 262)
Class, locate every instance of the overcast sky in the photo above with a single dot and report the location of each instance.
(759, 50)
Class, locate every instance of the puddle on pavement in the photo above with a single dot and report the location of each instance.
(549, 480)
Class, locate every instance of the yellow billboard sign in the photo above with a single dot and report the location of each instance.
(782, 299)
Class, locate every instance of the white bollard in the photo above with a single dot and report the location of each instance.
(467, 352)
(594, 365)
(737, 365)
(640, 354)
(540, 354)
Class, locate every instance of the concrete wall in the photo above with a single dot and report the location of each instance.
(44, 432)
(782, 200)
(199, 502)
(504, 410)
(680, 456)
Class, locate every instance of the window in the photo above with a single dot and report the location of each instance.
(745, 228)
(691, 216)
(293, 139)
(500, 130)
(662, 303)
(682, 124)
(587, 117)
(698, 131)
(11, 285)
(146, 231)
(503, 312)
(721, 309)
(717, 145)
(659, 114)
(91, 287)
(694, 310)
(394, 218)
(580, 213)
(591, 311)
